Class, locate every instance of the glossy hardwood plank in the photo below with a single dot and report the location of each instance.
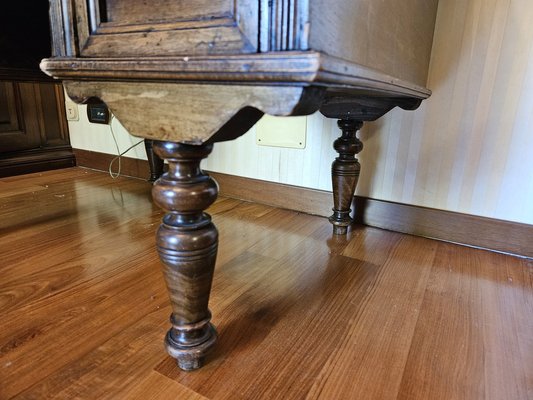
(377, 345)
(8, 190)
(301, 313)
(76, 322)
(473, 338)
(58, 232)
(159, 387)
(112, 367)
(53, 297)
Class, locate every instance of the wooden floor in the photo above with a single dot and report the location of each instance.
(301, 314)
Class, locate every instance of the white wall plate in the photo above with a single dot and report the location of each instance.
(289, 132)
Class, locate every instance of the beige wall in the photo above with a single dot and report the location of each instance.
(98, 137)
(467, 149)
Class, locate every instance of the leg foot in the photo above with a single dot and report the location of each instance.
(339, 230)
(344, 174)
(189, 359)
(187, 243)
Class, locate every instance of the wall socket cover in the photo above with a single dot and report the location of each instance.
(71, 109)
(289, 132)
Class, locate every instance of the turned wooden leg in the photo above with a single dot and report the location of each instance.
(156, 163)
(187, 244)
(344, 174)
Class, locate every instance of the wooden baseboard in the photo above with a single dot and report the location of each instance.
(26, 162)
(470, 230)
(132, 167)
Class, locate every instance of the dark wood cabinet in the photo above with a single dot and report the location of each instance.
(33, 127)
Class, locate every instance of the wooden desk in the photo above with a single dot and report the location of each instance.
(192, 73)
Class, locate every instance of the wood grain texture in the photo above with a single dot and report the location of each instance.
(301, 313)
(117, 28)
(158, 387)
(137, 11)
(470, 230)
(282, 67)
(397, 35)
(463, 362)
(387, 45)
(209, 40)
(60, 34)
(179, 111)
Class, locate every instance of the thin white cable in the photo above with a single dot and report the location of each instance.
(119, 154)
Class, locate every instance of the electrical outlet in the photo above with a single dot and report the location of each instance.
(71, 109)
(98, 113)
(289, 132)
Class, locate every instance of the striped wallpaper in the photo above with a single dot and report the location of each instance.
(469, 148)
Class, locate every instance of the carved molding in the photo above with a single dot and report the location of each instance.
(295, 67)
(284, 25)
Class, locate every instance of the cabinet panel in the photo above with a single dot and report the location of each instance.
(54, 129)
(140, 28)
(120, 28)
(141, 11)
(9, 108)
(19, 125)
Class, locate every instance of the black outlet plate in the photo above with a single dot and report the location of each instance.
(98, 113)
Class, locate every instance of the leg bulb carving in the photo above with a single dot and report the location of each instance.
(187, 243)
